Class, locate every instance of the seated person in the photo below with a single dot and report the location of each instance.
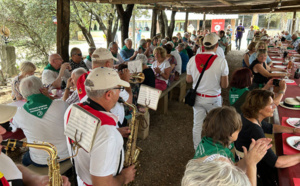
(184, 56)
(261, 71)
(295, 42)
(76, 59)
(27, 69)
(56, 71)
(288, 36)
(148, 72)
(220, 129)
(72, 83)
(88, 59)
(161, 68)
(144, 47)
(113, 47)
(41, 119)
(172, 60)
(246, 57)
(202, 172)
(176, 54)
(12, 174)
(127, 53)
(154, 43)
(259, 105)
(260, 46)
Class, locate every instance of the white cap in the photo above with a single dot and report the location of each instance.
(104, 78)
(210, 39)
(7, 112)
(102, 54)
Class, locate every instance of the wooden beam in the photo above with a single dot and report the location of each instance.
(127, 1)
(153, 25)
(226, 3)
(186, 21)
(63, 24)
(195, 8)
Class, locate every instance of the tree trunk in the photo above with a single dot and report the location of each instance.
(153, 25)
(172, 25)
(165, 18)
(161, 24)
(87, 35)
(124, 20)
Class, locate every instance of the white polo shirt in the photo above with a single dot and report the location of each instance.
(104, 157)
(49, 129)
(210, 82)
(178, 67)
(49, 76)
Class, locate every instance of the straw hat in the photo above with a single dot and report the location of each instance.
(291, 103)
(7, 112)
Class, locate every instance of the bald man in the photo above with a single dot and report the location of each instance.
(56, 71)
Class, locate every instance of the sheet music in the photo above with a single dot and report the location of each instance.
(85, 123)
(135, 66)
(149, 96)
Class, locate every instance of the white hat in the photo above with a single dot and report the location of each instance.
(102, 54)
(211, 39)
(171, 43)
(7, 112)
(264, 38)
(104, 78)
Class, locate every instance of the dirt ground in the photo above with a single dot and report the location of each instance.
(169, 145)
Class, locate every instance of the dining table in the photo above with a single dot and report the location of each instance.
(289, 176)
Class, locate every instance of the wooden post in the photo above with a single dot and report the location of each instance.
(203, 24)
(134, 45)
(153, 25)
(186, 21)
(294, 22)
(198, 25)
(63, 24)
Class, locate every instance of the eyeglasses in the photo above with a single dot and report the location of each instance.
(79, 54)
(121, 88)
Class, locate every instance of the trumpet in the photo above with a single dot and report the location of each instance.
(54, 168)
(137, 77)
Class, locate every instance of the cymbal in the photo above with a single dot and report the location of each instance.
(4, 31)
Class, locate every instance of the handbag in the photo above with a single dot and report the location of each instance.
(191, 94)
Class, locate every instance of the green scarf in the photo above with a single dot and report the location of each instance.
(50, 67)
(184, 51)
(125, 48)
(115, 55)
(140, 47)
(235, 94)
(37, 105)
(89, 58)
(207, 147)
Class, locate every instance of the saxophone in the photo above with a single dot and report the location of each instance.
(132, 151)
(54, 170)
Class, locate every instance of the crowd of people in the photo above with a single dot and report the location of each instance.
(96, 83)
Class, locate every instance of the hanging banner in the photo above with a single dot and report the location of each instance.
(217, 25)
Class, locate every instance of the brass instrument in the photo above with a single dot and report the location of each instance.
(54, 172)
(137, 77)
(132, 151)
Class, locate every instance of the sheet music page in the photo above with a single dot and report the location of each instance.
(149, 96)
(135, 66)
(85, 123)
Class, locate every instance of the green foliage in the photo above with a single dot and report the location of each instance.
(31, 26)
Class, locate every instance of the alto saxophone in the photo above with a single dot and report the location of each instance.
(132, 151)
(54, 168)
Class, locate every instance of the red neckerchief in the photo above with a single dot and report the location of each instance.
(201, 59)
(203, 49)
(80, 85)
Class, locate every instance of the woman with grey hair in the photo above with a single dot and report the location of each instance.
(218, 173)
(148, 72)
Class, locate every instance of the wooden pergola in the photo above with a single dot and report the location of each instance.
(197, 6)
